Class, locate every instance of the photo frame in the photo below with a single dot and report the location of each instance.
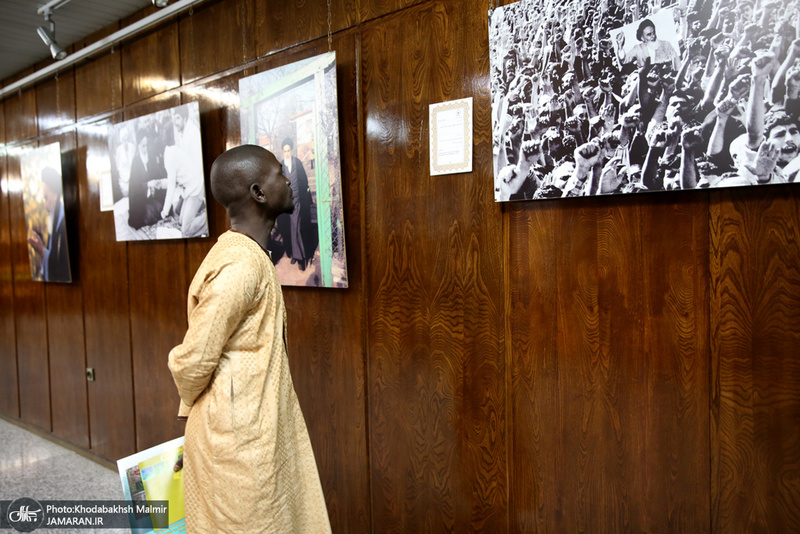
(157, 176)
(608, 97)
(292, 112)
(45, 214)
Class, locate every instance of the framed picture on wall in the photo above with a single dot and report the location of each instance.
(157, 178)
(45, 216)
(292, 112)
(602, 97)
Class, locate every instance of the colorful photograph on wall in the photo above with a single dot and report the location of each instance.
(155, 474)
(605, 97)
(157, 178)
(292, 112)
(45, 217)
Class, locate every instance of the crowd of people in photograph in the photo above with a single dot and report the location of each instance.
(709, 99)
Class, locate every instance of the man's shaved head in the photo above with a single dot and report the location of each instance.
(234, 171)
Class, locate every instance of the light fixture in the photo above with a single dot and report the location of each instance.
(48, 35)
(160, 3)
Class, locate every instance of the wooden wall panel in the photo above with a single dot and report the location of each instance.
(20, 114)
(755, 304)
(65, 338)
(9, 391)
(609, 327)
(104, 265)
(29, 311)
(373, 9)
(158, 284)
(98, 79)
(151, 64)
(435, 287)
(232, 24)
(55, 101)
(284, 23)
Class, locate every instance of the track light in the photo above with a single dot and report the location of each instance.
(160, 3)
(48, 35)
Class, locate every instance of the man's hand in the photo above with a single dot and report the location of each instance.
(586, 156)
(725, 108)
(766, 159)
(762, 65)
(692, 140)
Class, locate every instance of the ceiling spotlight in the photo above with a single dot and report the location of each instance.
(48, 35)
(160, 3)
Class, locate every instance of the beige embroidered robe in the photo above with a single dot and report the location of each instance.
(248, 463)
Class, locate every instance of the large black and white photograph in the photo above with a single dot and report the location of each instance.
(292, 112)
(157, 177)
(601, 97)
(45, 214)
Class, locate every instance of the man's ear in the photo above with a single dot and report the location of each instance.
(257, 193)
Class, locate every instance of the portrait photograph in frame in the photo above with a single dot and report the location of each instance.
(292, 112)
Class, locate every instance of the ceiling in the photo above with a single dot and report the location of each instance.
(20, 45)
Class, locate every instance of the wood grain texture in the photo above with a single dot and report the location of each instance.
(373, 9)
(20, 113)
(609, 372)
(99, 79)
(65, 328)
(150, 64)
(9, 391)
(283, 23)
(104, 265)
(435, 291)
(29, 312)
(232, 25)
(55, 102)
(755, 304)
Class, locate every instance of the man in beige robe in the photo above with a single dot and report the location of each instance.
(248, 464)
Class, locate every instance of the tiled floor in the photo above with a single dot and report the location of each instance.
(31, 466)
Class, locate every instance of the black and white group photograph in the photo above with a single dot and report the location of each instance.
(157, 176)
(601, 97)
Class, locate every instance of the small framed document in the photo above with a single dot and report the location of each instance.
(451, 137)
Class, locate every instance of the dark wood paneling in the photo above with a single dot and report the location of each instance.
(158, 285)
(151, 64)
(30, 313)
(755, 304)
(65, 339)
(55, 101)
(20, 113)
(435, 286)
(104, 279)
(284, 23)
(372, 9)
(609, 330)
(231, 23)
(99, 79)
(9, 392)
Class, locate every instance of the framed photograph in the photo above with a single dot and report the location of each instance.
(157, 178)
(45, 216)
(606, 97)
(292, 112)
